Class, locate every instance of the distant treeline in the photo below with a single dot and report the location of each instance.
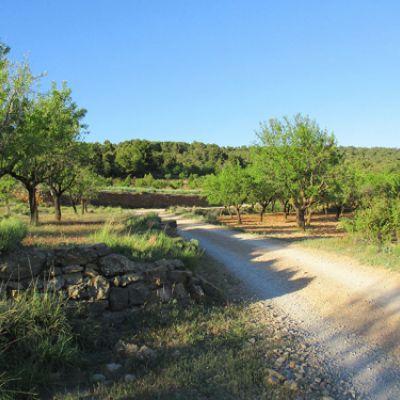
(136, 158)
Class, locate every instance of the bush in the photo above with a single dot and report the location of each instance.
(35, 340)
(12, 231)
(379, 223)
(148, 245)
(143, 223)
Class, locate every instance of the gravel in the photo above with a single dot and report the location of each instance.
(342, 318)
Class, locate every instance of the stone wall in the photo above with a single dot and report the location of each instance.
(96, 275)
(147, 200)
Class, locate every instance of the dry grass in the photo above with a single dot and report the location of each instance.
(275, 225)
(73, 229)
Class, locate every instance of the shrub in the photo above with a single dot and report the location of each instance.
(143, 223)
(35, 340)
(378, 223)
(12, 231)
(148, 245)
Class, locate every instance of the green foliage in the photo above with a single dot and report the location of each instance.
(378, 223)
(12, 232)
(150, 245)
(35, 340)
(15, 88)
(143, 223)
(85, 186)
(302, 156)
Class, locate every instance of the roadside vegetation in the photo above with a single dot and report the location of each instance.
(50, 349)
(12, 232)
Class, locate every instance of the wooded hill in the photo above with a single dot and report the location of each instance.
(179, 159)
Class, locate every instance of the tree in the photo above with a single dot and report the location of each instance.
(15, 86)
(303, 155)
(65, 158)
(231, 187)
(50, 126)
(265, 187)
(7, 185)
(84, 188)
(342, 189)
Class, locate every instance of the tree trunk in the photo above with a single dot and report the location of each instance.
(83, 208)
(33, 208)
(339, 211)
(273, 206)
(239, 217)
(57, 206)
(262, 212)
(286, 209)
(309, 215)
(300, 220)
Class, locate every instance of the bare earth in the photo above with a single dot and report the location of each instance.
(349, 311)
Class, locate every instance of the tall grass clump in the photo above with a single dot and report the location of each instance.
(142, 241)
(12, 232)
(36, 339)
(143, 223)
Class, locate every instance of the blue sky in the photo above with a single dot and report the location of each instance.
(211, 70)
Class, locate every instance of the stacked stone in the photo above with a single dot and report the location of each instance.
(95, 274)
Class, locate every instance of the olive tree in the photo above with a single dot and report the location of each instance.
(303, 156)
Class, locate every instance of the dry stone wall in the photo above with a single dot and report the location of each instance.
(94, 274)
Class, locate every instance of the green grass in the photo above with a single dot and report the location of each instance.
(202, 352)
(365, 253)
(200, 214)
(12, 232)
(142, 240)
(36, 339)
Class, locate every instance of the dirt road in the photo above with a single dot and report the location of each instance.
(351, 312)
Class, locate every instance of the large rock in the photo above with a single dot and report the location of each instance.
(180, 276)
(22, 264)
(157, 275)
(127, 279)
(138, 294)
(119, 299)
(73, 279)
(116, 264)
(80, 255)
(102, 287)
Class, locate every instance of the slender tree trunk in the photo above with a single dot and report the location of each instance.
(57, 206)
(33, 208)
(309, 215)
(286, 209)
(74, 207)
(273, 206)
(262, 212)
(239, 217)
(83, 208)
(339, 212)
(300, 218)
(326, 210)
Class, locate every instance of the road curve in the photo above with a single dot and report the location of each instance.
(351, 312)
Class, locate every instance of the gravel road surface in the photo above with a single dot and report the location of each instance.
(350, 312)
